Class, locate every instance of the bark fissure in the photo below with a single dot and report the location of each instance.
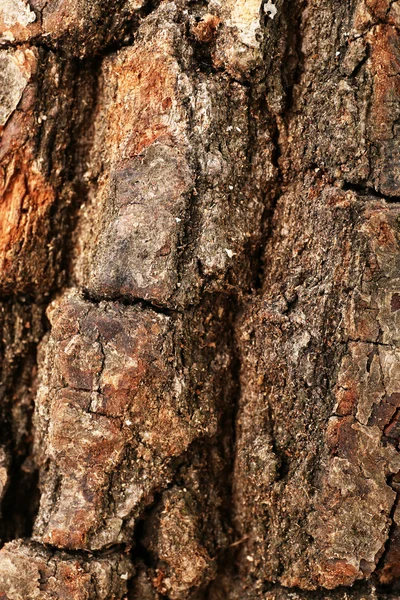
(364, 190)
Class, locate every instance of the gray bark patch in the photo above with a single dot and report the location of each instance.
(12, 85)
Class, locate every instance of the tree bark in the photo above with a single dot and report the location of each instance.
(200, 299)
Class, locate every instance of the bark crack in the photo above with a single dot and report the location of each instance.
(367, 191)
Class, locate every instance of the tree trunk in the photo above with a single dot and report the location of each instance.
(200, 299)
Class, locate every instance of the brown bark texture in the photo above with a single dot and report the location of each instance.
(200, 299)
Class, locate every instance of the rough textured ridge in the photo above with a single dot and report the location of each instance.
(321, 468)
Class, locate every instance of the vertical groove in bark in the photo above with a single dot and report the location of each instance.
(34, 263)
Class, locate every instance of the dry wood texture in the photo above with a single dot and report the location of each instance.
(199, 299)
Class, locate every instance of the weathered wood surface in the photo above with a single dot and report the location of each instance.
(200, 299)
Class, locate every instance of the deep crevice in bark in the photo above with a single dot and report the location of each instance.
(65, 142)
(127, 301)
(366, 191)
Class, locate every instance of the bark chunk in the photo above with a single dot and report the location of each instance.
(174, 208)
(330, 467)
(348, 97)
(114, 407)
(173, 536)
(29, 572)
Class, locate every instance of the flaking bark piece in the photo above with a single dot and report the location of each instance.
(240, 36)
(28, 571)
(173, 536)
(4, 471)
(38, 121)
(26, 194)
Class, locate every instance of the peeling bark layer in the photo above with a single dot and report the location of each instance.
(199, 250)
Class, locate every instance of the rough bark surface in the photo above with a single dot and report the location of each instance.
(200, 299)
